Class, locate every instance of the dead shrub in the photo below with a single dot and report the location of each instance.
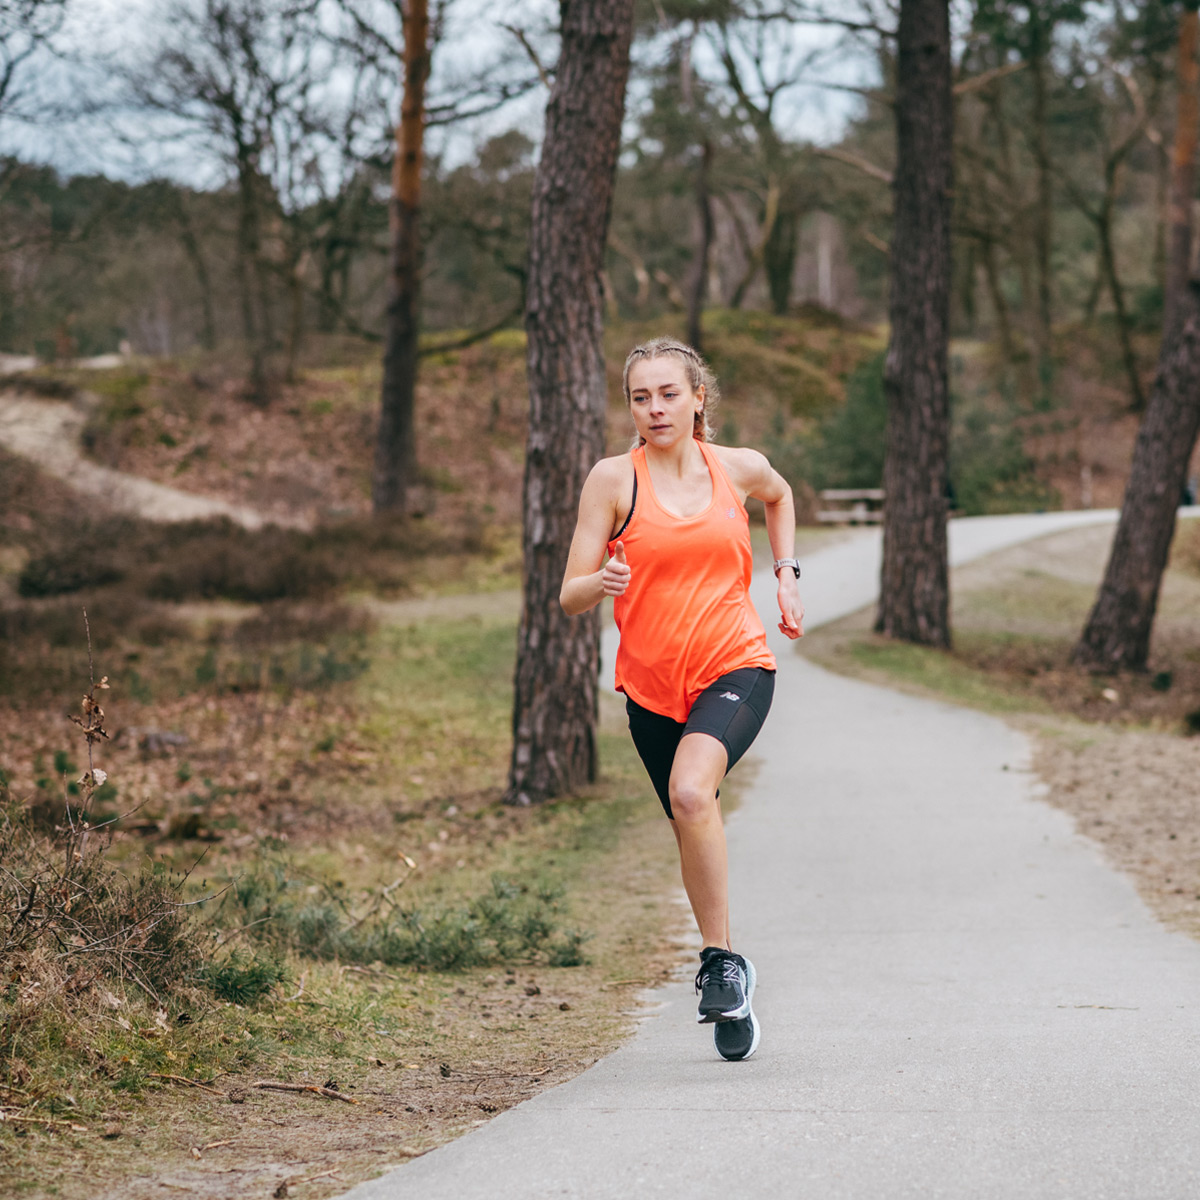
(288, 621)
(232, 563)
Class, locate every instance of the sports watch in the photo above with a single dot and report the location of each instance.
(794, 563)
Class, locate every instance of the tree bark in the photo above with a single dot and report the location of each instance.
(698, 285)
(1108, 267)
(555, 705)
(1117, 634)
(1044, 209)
(914, 593)
(191, 247)
(395, 445)
(779, 260)
(249, 273)
(1183, 166)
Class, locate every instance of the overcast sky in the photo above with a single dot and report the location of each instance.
(124, 144)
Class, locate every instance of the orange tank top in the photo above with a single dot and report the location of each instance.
(686, 618)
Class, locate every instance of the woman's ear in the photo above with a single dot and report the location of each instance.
(700, 398)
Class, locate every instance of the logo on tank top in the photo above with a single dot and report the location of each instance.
(729, 696)
(731, 513)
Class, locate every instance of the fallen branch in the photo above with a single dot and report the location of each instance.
(7, 1116)
(305, 1087)
(188, 1082)
(310, 1178)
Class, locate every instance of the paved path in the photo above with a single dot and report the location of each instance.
(958, 998)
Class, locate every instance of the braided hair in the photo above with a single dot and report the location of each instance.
(699, 376)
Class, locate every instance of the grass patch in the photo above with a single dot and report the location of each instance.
(386, 924)
(1017, 616)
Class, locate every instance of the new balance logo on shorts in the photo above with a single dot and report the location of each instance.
(730, 696)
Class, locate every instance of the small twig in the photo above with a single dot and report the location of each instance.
(371, 971)
(305, 1087)
(507, 1074)
(25, 911)
(7, 1116)
(189, 1082)
(214, 1145)
(616, 983)
(309, 1178)
(527, 46)
(300, 991)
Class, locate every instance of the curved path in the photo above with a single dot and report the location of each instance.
(958, 998)
(47, 432)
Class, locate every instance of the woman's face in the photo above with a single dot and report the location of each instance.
(661, 400)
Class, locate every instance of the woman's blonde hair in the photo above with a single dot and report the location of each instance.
(699, 376)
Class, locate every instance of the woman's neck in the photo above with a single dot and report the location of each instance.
(679, 459)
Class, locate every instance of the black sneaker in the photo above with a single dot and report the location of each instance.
(736, 1040)
(721, 982)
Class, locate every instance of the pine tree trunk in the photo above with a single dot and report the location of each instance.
(1042, 229)
(1117, 634)
(914, 592)
(780, 259)
(249, 276)
(191, 247)
(555, 705)
(1183, 165)
(698, 286)
(395, 445)
(1108, 268)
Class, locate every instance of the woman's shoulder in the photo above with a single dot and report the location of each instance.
(744, 466)
(613, 471)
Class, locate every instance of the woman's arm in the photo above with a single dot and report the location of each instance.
(588, 578)
(753, 474)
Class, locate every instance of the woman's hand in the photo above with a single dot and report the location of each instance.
(616, 574)
(790, 609)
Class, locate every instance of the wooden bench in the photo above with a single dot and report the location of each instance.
(851, 506)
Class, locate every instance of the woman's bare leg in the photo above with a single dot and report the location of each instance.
(699, 767)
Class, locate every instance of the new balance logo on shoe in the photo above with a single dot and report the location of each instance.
(729, 696)
(721, 982)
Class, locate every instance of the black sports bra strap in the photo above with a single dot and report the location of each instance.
(632, 506)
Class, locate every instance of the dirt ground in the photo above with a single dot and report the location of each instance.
(1136, 793)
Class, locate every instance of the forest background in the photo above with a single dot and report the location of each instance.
(1064, 125)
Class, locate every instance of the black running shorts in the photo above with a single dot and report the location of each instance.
(732, 710)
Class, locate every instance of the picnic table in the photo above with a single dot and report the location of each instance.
(850, 506)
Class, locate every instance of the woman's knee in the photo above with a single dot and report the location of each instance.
(692, 800)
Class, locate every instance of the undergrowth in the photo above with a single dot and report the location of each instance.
(510, 922)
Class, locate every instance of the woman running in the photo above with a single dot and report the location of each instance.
(664, 531)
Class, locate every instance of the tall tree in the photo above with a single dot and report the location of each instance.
(395, 446)
(914, 591)
(555, 706)
(1117, 634)
(26, 27)
(1183, 164)
(1030, 27)
(233, 74)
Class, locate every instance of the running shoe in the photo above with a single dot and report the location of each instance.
(721, 982)
(738, 1039)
